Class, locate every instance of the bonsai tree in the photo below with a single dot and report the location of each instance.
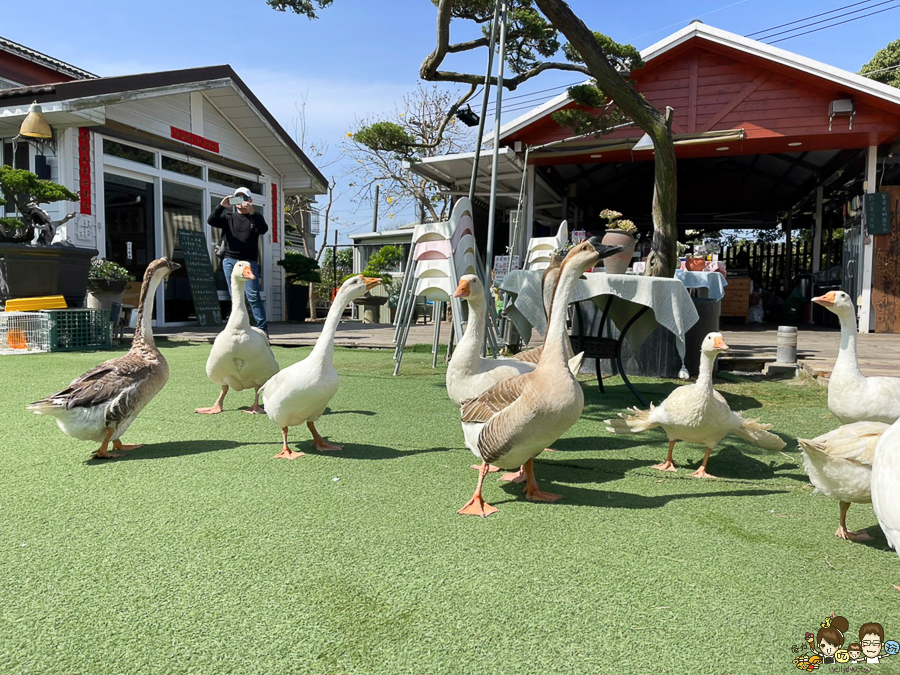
(299, 269)
(385, 258)
(25, 191)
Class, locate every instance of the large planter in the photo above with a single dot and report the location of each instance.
(619, 262)
(371, 306)
(28, 271)
(102, 293)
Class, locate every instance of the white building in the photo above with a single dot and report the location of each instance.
(152, 153)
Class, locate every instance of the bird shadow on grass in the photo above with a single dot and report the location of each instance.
(364, 451)
(170, 449)
(624, 500)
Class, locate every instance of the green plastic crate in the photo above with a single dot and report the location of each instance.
(78, 329)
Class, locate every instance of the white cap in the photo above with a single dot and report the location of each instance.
(243, 191)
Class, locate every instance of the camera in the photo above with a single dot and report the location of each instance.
(234, 201)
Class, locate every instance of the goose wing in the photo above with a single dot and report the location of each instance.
(101, 383)
(491, 401)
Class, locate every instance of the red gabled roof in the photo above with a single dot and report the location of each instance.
(717, 81)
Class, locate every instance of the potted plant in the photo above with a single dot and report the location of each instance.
(385, 258)
(107, 282)
(299, 271)
(619, 232)
(43, 268)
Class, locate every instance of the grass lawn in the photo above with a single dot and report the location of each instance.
(201, 554)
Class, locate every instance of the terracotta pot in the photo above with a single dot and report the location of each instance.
(619, 262)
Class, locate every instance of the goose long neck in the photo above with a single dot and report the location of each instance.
(469, 348)
(238, 317)
(324, 348)
(143, 334)
(847, 362)
(704, 377)
(554, 341)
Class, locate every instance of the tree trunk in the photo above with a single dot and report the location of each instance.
(664, 254)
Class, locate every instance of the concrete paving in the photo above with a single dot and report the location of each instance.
(752, 345)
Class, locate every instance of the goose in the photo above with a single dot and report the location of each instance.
(468, 373)
(839, 464)
(853, 397)
(240, 357)
(101, 404)
(886, 485)
(301, 392)
(512, 422)
(548, 284)
(696, 413)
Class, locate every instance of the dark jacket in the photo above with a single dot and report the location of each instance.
(241, 232)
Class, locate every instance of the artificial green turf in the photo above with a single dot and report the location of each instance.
(201, 554)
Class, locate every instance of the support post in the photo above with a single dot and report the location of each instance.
(817, 232)
(866, 271)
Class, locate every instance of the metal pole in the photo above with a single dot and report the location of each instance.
(489, 252)
(375, 213)
(334, 263)
(484, 100)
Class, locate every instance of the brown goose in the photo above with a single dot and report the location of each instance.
(101, 404)
(513, 421)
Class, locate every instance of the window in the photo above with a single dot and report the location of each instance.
(182, 167)
(129, 152)
(233, 181)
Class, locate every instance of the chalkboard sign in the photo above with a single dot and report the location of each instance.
(876, 209)
(200, 276)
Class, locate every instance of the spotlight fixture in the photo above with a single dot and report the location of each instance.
(467, 116)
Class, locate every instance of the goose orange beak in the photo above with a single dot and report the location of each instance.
(463, 290)
(248, 273)
(371, 282)
(825, 300)
(719, 343)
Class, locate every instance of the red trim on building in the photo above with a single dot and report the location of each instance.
(274, 213)
(194, 139)
(84, 171)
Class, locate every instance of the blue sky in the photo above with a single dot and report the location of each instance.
(361, 56)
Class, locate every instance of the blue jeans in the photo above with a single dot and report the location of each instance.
(251, 290)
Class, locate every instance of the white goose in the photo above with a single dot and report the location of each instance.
(301, 392)
(512, 422)
(886, 485)
(101, 404)
(697, 413)
(839, 464)
(853, 397)
(240, 357)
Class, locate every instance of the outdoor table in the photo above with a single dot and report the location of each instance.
(713, 282)
(636, 304)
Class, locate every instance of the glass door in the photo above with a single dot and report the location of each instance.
(130, 236)
(182, 209)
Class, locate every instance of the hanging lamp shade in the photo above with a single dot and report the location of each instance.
(34, 125)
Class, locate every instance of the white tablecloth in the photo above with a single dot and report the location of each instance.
(670, 304)
(713, 281)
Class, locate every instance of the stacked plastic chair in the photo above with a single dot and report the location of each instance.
(540, 249)
(440, 253)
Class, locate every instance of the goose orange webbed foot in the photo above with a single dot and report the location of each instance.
(701, 473)
(477, 507)
(212, 410)
(665, 466)
(254, 409)
(514, 477)
(535, 495)
(126, 447)
(491, 468)
(287, 453)
(844, 533)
